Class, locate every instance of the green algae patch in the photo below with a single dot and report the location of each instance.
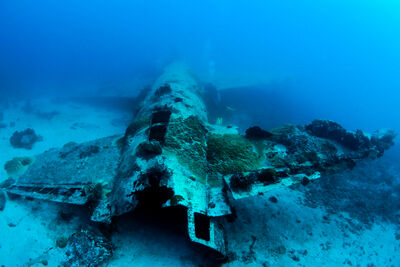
(206, 154)
(186, 138)
(17, 166)
(231, 153)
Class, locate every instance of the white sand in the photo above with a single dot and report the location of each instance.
(290, 224)
(36, 222)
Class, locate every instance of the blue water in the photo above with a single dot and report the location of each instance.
(341, 57)
(337, 60)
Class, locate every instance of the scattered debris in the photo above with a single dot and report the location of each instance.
(326, 246)
(41, 259)
(3, 200)
(294, 257)
(279, 250)
(250, 256)
(62, 242)
(273, 199)
(368, 196)
(348, 262)
(295, 254)
(397, 235)
(25, 139)
(11, 224)
(86, 248)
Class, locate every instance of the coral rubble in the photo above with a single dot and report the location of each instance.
(25, 139)
(86, 248)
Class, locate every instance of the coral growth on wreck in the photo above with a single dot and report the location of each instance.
(188, 138)
(231, 153)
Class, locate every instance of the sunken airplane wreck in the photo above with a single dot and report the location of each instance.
(171, 151)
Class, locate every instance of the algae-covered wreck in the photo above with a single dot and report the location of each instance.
(171, 155)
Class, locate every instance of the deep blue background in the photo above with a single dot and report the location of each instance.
(340, 59)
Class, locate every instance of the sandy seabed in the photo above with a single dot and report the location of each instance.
(265, 233)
